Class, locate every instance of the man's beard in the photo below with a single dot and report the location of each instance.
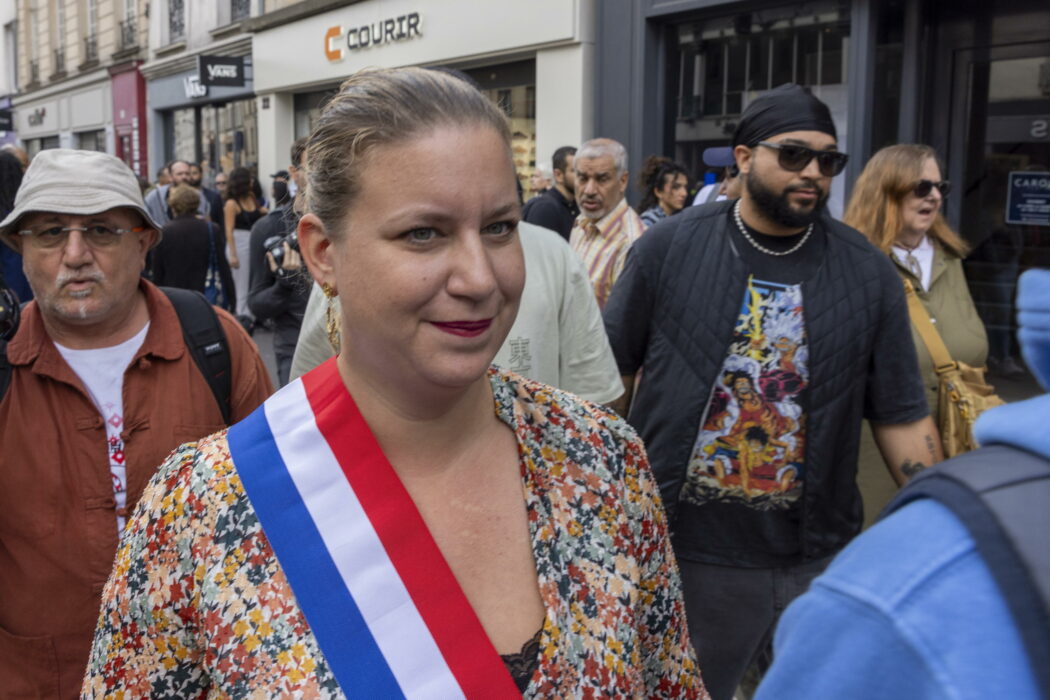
(778, 208)
(195, 183)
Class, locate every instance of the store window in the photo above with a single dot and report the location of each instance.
(1004, 189)
(719, 64)
(220, 136)
(512, 86)
(308, 106)
(183, 133)
(230, 137)
(92, 140)
(34, 146)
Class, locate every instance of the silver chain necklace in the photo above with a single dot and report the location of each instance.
(762, 248)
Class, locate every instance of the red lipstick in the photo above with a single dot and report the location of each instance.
(466, 329)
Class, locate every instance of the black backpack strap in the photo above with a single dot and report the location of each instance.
(1001, 494)
(206, 342)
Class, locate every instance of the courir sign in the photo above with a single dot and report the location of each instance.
(220, 71)
(338, 41)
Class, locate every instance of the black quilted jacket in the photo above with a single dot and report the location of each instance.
(673, 310)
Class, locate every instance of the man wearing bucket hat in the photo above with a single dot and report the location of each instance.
(768, 332)
(101, 385)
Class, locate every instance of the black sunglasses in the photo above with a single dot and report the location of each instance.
(795, 158)
(923, 188)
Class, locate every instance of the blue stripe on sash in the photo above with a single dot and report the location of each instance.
(348, 645)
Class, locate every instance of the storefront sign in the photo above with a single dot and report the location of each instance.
(1028, 199)
(225, 71)
(6, 122)
(387, 31)
(37, 116)
(192, 85)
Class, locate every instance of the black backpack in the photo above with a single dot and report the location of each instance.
(1002, 495)
(204, 337)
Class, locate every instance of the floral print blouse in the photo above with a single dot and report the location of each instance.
(198, 605)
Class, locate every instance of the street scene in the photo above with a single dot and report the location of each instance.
(546, 349)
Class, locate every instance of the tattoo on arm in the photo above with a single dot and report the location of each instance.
(910, 468)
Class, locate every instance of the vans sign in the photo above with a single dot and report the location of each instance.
(221, 71)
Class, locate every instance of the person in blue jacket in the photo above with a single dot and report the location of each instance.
(910, 609)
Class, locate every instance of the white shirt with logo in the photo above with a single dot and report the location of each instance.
(102, 372)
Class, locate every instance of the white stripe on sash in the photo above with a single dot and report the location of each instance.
(359, 555)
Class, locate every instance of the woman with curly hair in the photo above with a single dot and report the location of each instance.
(666, 185)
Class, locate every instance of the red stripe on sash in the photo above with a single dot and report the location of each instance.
(437, 595)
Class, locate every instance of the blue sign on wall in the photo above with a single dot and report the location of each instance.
(1028, 199)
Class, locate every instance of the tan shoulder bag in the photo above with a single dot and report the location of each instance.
(962, 392)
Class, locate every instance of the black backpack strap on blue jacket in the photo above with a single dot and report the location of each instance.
(206, 342)
(1002, 495)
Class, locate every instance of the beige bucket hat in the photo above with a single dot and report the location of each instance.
(67, 181)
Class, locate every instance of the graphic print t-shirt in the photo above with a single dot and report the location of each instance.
(747, 469)
(102, 372)
(751, 446)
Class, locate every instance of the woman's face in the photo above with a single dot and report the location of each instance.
(672, 194)
(919, 213)
(428, 265)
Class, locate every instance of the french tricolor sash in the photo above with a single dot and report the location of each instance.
(387, 612)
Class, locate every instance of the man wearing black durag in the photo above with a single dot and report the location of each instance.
(767, 331)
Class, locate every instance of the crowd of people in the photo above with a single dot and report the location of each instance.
(557, 448)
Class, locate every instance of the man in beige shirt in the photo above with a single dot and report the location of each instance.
(606, 226)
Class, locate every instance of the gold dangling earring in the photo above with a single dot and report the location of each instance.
(331, 318)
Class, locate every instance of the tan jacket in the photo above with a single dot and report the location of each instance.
(950, 305)
(58, 528)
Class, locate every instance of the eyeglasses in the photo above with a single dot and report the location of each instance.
(96, 235)
(923, 188)
(795, 158)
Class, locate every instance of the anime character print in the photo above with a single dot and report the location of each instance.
(751, 444)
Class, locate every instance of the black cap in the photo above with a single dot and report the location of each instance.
(783, 109)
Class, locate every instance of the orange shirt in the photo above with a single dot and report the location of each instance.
(57, 509)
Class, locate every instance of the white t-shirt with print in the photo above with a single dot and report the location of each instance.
(102, 372)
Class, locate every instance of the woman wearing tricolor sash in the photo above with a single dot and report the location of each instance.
(405, 520)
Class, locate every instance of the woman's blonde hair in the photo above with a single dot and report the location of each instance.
(875, 205)
(183, 199)
(380, 107)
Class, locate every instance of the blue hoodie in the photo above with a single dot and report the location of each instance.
(909, 609)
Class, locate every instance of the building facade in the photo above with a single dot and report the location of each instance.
(8, 70)
(67, 53)
(534, 58)
(214, 126)
(970, 78)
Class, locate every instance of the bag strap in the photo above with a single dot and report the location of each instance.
(942, 359)
(204, 338)
(206, 342)
(1000, 493)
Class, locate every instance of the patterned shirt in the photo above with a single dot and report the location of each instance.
(652, 215)
(603, 245)
(198, 605)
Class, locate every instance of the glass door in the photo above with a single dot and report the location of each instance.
(1001, 129)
